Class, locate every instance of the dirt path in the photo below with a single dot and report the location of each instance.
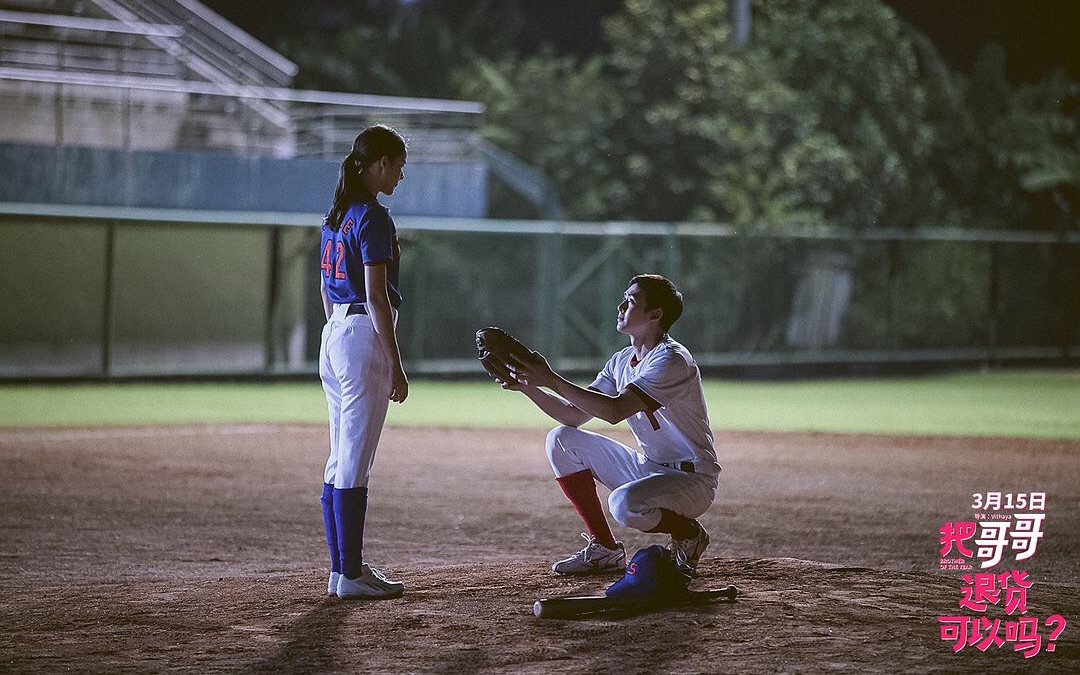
(199, 549)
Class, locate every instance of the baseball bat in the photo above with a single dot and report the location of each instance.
(583, 605)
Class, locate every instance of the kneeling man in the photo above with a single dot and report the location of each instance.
(655, 385)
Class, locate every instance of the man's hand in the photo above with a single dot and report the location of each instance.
(498, 351)
(534, 371)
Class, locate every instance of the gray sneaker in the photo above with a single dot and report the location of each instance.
(688, 551)
(593, 558)
(332, 584)
(370, 584)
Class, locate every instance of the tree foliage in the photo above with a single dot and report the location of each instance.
(822, 118)
(1034, 147)
(836, 112)
(412, 52)
(554, 112)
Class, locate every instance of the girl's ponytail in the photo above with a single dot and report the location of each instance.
(371, 145)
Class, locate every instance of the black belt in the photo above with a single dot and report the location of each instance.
(357, 308)
(686, 466)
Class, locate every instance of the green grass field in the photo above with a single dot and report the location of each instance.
(1035, 404)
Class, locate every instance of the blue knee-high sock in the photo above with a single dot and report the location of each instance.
(350, 507)
(330, 525)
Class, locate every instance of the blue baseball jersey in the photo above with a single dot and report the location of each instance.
(367, 236)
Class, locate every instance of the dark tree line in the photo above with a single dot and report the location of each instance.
(834, 112)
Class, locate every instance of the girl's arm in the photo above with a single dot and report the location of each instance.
(327, 308)
(382, 318)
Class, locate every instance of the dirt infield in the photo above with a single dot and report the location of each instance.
(199, 549)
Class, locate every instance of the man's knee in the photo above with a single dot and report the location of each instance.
(559, 441)
(629, 513)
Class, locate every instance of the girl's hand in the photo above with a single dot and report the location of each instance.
(399, 389)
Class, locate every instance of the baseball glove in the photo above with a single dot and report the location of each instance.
(494, 347)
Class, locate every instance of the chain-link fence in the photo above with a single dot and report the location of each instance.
(131, 292)
(752, 299)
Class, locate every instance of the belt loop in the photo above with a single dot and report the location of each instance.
(686, 465)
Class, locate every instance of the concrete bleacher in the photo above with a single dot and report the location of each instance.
(153, 88)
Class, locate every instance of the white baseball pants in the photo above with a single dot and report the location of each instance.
(355, 373)
(639, 487)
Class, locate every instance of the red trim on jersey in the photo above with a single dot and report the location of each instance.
(651, 405)
(653, 421)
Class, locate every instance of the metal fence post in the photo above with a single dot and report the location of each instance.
(992, 306)
(1069, 260)
(891, 284)
(273, 295)
(549, 314)
(419, 298)
(107, 300)
(674, 256)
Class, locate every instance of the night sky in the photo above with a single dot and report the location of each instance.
(1038, 35)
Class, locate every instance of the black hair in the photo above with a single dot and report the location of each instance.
(660, 294)
(371, 145)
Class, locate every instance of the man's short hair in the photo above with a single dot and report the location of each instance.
(660, 294)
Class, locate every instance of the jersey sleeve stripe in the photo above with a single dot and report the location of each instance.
(651, 404)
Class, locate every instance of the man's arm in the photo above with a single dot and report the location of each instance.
(611, 409)
(558, 409)
(592, 403)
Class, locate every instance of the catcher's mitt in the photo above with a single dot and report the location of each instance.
(494, 347)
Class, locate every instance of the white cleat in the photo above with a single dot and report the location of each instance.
(370, 584)
(331, 586)
(688, 551)
(593, 558)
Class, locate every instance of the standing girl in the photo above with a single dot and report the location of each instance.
(359, 360)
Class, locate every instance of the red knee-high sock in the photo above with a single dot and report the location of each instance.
(581, 491)
(679, 527)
